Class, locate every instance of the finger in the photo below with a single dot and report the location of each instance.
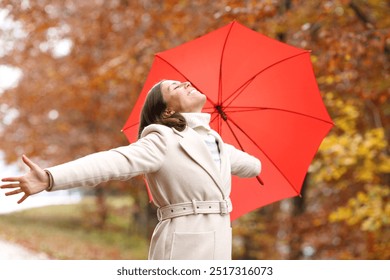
(13, 192)
(28, 162)
(10, 186)
(11, 179)
(23, 198)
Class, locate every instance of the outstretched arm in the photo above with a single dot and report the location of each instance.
(30, 183)
(144, 156)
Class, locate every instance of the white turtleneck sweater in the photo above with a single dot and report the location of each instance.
(200, 122)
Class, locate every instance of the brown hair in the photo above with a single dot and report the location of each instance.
(153, 109)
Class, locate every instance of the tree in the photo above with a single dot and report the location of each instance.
(84, 63)
(348, 181)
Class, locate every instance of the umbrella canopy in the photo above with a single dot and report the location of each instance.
(263, 98)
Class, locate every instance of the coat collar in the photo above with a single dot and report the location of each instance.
(193, 145)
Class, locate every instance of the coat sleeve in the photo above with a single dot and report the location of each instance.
(243, 164)
(144, 156)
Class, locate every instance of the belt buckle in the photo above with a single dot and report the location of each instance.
(224, 207)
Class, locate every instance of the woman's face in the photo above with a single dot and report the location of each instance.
(182, 97)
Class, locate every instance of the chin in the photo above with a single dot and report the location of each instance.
(203, 99)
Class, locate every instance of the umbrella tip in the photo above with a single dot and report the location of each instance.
(260, 181)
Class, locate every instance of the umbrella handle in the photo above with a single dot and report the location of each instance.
(260, 181)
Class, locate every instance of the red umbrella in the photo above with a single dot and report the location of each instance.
(263, 98)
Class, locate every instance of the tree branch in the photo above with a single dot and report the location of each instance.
(361, 15)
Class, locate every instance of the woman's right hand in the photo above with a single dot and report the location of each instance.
(33, 182)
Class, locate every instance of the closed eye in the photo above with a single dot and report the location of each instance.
(175, 87)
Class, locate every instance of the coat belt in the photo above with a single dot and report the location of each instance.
(194, 207)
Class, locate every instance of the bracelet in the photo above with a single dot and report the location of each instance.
(50, 181)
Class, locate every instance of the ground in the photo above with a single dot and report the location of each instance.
(11, 251)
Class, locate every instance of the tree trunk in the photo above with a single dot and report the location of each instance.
(102, 211)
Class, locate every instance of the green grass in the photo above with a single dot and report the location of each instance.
(69, 232)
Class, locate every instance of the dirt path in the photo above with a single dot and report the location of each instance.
(11, 251)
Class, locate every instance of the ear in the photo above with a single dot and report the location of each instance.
(167, 113)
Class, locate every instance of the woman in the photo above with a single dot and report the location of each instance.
(186, 164)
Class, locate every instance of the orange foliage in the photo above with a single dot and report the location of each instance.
(74, 103)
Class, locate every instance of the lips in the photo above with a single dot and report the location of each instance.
(193, 91)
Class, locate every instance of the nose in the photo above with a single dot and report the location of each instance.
(186, 84)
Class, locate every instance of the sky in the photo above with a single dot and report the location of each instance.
(9, 77)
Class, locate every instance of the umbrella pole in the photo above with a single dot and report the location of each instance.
(224, 117)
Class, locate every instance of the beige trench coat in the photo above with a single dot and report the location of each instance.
(178, 168)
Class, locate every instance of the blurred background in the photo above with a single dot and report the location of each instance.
(70, 72)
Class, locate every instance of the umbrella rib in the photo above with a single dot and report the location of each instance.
(219, 100)
(292, 186)
(238, 92)
(220, 65)
(130, 126)
(213, 119)
(242, 148)
(250, 109)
